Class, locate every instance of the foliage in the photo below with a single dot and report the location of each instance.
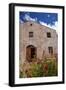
(37, 70)
(40, 68)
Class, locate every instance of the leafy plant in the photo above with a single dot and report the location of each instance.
(39, 68)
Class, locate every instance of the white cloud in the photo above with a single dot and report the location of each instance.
(56, 25)
(20, 21)
(42, 23)
(28, 18)
(53, 26)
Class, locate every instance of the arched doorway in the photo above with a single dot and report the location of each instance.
(31, 52)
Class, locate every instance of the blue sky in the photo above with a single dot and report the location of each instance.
(48, 19)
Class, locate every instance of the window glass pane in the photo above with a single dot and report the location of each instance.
(48, 34)
(50, 50)
(30, 34)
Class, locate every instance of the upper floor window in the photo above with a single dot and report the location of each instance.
(48, 34)
(30, 34)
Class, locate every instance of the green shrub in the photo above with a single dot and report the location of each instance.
(52, 67)
(37, 70)
(48, 67)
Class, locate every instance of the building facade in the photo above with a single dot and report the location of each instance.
(36, 40)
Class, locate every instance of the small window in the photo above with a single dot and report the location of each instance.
(50, 50)
(31, 24)
(48, 34)
(30, 34)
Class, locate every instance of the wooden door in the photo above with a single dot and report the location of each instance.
(30, 53)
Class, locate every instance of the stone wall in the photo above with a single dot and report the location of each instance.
(39, 39)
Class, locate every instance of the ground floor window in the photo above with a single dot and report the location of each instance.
(50, 50)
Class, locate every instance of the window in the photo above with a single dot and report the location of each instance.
(48, 34)
(30, 34)
(50, 50)
(31, 24)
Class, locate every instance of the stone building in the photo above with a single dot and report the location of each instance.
(36, 40)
